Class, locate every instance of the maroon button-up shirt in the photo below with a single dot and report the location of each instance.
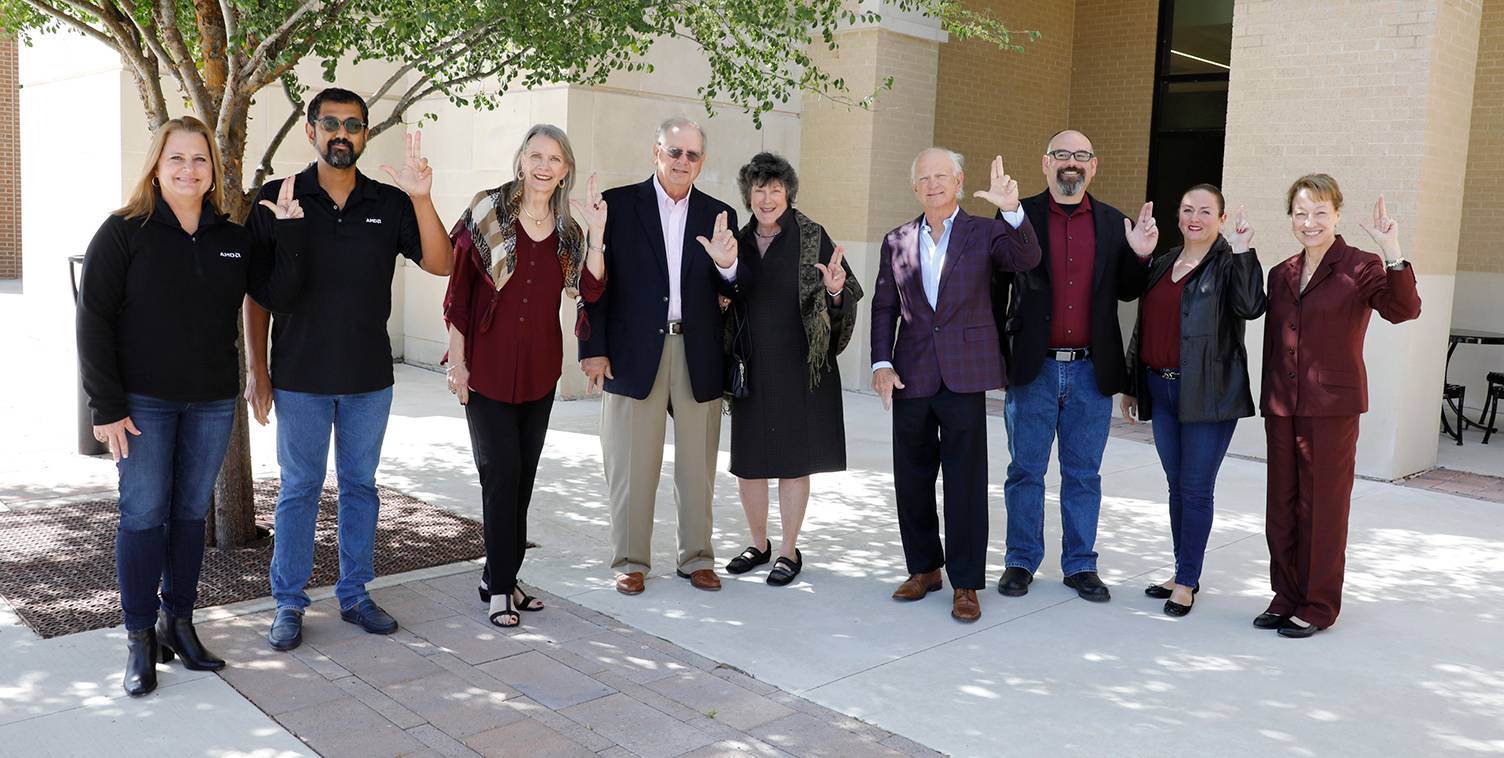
(1073, 254)
(1160, 327)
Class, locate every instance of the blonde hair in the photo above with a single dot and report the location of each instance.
(559, 203)
(1320, 186)
(143, 198)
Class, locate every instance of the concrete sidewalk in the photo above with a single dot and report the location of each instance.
(1413, 668)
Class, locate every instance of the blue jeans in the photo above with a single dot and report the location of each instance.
(165, 488)
(1062, 401)
(1191, 455)
(303, 424)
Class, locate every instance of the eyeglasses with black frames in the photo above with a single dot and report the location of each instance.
(1065, 155)
(331, 124)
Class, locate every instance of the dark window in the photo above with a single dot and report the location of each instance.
(1190, 105)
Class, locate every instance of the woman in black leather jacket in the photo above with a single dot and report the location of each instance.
(1187, 363)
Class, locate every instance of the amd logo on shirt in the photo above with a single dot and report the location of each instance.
(229, 254)
(373, 221)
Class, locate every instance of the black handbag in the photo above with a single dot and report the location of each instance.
(737, 385)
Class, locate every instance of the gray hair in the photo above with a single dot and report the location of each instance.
(955, 158)
(680, 122)
(559, 203)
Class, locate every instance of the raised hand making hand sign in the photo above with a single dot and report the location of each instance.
(416, 176)
(834, 273)
(287, 206)
(1142, 237)
(1385, 232)
(1242, 232)
(1003, 190)
(722, 245)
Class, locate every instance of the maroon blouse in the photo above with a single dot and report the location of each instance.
(1160, 329)
(514, 347)
(1073, 253)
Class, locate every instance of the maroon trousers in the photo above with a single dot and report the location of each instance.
(1310, 491)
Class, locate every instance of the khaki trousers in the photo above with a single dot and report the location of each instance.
(632, 437)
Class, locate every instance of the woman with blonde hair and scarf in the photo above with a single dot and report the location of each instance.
(516, 248)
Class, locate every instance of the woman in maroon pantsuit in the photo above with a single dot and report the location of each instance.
(1315, 386)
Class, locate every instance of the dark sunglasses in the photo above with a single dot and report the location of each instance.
(1065, 155)
(331, 124)
(678, 152)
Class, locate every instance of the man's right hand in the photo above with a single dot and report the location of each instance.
(1129, 405)
(885, 380)
(597, 371)
(258, 395)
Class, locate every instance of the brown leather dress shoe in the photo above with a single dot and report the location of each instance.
(918, 585)
(629, 584)
(702, 579)
(965, 606)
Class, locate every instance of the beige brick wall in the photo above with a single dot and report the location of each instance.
(1483, 197)
(1112, 92)
(10, 163)
(991, 102)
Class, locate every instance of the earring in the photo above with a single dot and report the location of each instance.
(154, 182)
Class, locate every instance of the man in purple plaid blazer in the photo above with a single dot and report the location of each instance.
(934, 356)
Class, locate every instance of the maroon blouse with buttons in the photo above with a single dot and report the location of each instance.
(1160, 328)
(514, 347)
(1073, 254)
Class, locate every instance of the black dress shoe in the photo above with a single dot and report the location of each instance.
(1161, 592)
(1268, 620)
(1089, 586)
(368, 616)
(287, 629)
(1297, 631)
(1015, 581)
(1177, 610)
(141, 661)
(177, 635)
(750, 559)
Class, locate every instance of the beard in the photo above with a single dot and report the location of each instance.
(1072, 184)
(340, 158)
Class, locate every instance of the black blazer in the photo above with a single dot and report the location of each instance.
(1223, 293)
(628, 322)
(1024, 323)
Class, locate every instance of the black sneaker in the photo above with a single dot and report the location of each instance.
(369, 616)
(287, 629)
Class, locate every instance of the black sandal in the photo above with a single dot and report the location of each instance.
(785, 570)
(499, 616)
(750, 559)
(529, 603)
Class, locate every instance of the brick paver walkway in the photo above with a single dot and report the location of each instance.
(568, 682)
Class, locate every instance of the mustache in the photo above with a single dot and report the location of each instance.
(341, 141)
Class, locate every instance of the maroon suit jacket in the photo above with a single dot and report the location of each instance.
(956, 342)
(1313, 342)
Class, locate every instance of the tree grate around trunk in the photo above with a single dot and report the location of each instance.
(57, 562)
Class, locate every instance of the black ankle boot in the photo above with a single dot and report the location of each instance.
(177, 635)
(141, 661)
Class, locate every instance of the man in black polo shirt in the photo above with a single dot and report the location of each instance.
(331, 360)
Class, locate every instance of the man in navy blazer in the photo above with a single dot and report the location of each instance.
(655, 345)
(934, 356)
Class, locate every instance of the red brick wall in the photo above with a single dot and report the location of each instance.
(10, 163)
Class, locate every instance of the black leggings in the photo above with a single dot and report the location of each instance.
(507, 439)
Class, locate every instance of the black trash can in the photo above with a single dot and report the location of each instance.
(87, 445)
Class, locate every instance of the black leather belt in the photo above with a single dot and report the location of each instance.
(674, 327)
(1069, 354)
(1168, 374)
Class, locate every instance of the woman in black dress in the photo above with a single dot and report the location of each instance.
(795, 315)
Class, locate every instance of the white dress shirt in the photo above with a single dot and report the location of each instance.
(673, 215)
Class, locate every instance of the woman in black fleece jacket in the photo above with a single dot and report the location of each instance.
(163, 282)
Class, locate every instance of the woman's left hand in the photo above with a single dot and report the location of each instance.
(1385, 231)
(593, 210)
(834, 273)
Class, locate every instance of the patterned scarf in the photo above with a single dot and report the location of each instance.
(491, 219)
(813, 305)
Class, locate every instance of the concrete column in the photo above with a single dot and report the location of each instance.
(1379, 95)
(854, 163)
(10, 162)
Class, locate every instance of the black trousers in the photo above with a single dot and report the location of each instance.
(507, 439)
(945, 431)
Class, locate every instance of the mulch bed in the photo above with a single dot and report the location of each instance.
(57, 562)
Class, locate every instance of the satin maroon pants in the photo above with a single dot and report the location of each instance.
(1309, 494)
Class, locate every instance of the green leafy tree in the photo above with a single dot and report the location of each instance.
(219, 55)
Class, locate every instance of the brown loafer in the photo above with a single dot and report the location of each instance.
(702, 579)
(629, 584)
(965, 606)
(918, 585)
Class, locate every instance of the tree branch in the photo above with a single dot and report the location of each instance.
(415, 93)
(165, 13)
(274, 42)
(264, 168)
(77, 24)
(435, 52)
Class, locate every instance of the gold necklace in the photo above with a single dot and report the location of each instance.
(536, 220)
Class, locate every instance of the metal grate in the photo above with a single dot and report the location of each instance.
(57, 562)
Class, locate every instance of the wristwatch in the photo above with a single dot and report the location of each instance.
(1398, 265)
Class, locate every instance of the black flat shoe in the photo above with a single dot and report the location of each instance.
(368, 616)
(750, 559)
(784, 570)
(141, 661)
(1177, 610)
(1268, 620)
(1297, 631)
(1089, 586)
(1014, 582)
(287, 629)
(1161, 592)
(177, 635)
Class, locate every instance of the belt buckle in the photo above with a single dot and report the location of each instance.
(675, 327)
(1169, 374)
(1065, 356)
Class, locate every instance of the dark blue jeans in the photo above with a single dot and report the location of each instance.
(1191, 455)
(165, 488)
(1064, 402)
